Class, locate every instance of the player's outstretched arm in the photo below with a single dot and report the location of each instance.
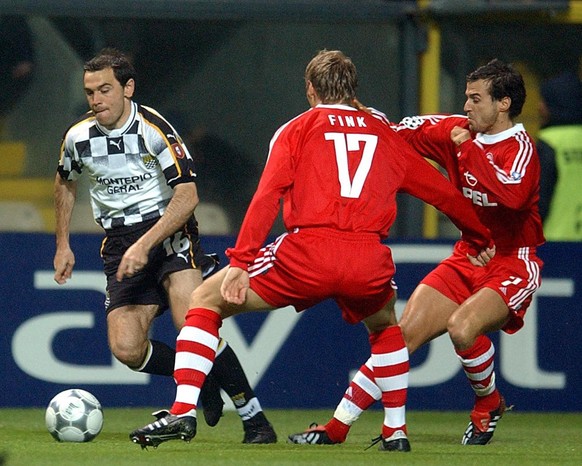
(65, 194)
(428, 184)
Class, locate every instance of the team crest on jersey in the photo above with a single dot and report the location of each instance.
(471, 180)
(149, 161)
(178, 150)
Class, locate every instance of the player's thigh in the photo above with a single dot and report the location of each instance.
(128, 326)
(425, 316)
(179, 287)
(483, 312)
(208, 296)
(382, 319)
(255, 303)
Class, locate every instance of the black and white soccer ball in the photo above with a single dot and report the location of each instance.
(74, 415)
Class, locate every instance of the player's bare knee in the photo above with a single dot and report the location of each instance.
(460, 332)
(412, 343)
(127, 355)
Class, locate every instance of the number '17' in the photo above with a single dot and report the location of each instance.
(344, 143)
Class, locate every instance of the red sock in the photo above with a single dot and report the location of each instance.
(478, 363)
(391, 366)
(195, 352)
(336, 430)
(363, 391)
(359, 396)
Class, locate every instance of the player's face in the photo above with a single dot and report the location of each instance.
(481, 109)
(108, 99)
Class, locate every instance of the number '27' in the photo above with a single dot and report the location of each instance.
(344, 143)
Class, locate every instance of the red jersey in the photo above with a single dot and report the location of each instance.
(500, 173)
(338, 167)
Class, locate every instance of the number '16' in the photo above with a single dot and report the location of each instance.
(343, 143)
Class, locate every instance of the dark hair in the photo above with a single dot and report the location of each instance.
(114, 59)
(333, 76)
(504, 81)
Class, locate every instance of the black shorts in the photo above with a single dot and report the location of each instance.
(181, 251)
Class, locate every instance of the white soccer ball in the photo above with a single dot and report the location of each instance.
(74, 415)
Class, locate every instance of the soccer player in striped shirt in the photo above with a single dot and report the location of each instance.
(143, 194)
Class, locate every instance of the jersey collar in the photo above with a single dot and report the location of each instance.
(338, 106)
(119, 131)
(498, 137)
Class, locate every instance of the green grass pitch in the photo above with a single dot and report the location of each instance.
(521, 439)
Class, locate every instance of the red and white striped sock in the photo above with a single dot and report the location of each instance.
(359, 396)
(195, 352)
(391, 366)
(478, 363)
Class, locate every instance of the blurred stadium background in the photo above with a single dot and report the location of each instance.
(234, 68)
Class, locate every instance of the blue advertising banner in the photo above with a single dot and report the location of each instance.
(54, 337)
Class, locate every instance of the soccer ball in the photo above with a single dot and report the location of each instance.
(74, 415)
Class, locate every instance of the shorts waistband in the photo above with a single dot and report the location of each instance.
(529, 250)
(325, 232)
(507, 251)
(127, 229)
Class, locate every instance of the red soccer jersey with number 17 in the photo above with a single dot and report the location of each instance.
(338, 167)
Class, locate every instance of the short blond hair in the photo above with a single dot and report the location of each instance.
(333, 76)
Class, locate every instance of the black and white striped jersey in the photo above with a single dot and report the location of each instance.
(132, 170)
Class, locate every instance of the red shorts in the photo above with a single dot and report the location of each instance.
(307, 266)
(515, 277)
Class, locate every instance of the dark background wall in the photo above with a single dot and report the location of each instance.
(229, 73)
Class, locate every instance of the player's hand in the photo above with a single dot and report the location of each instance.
(235, 285)
(483, 257)
(460, 135)
(63, 263)
(133, 261)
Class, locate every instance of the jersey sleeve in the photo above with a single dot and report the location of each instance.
(275, 180)
(70, 165)
(425, 182)
(429, 135)
(165, 144)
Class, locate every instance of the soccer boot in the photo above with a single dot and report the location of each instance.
(482, 425)
(315, 435)
(396, 442)
(166, 427)
(259, 433)
(211, 400)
